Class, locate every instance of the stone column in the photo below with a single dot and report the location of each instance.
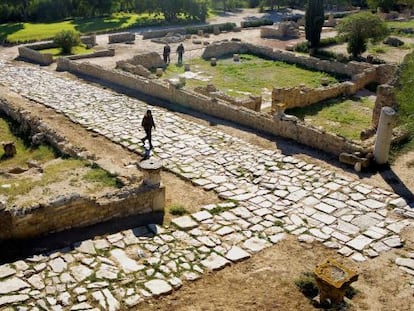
(152, 178)
(152, 172)
(384, 134)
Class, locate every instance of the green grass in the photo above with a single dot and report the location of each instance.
(81, 49)
(23, 153)
(178, 210)
(102, 177)
(249, 75)
(343, 117)
(405, 24)
(27, 32)
(53, 172)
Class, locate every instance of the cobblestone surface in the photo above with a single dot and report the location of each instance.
(270, 194)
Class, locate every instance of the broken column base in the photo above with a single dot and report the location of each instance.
(333, 279)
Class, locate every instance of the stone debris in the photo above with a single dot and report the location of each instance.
(271, 194)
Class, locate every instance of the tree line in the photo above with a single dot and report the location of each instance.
(52, 10)
(171, 10)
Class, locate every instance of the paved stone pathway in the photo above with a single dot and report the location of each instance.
(269, 195)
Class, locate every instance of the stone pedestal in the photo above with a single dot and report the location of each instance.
(216, 30)
(159, 72)
(187, 67)
(152, 172)
(213, 61)
(333, 279)
(9, 149)
(384, 134)
(236, 57)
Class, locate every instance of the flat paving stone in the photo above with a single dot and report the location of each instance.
(237, 254)
(8, 300)
(6, 271)
(215, 262)
(125, 262)
(255, 244)
(184, 223)
(158, 287)
(360, 242)
(11, 285)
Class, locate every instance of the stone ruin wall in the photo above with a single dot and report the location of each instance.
(293, 129)
(35, 56)
(147, 60)
(121, 37)
(72, 211)
(224, 48)
(305, 96)
(252, 102)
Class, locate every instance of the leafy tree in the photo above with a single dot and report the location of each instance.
(66, 40)
(385, 5)
(359, 28)
(314, 18)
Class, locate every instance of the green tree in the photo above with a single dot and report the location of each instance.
(359, 28)
(314, 18)
(66, 40)
(385, 5)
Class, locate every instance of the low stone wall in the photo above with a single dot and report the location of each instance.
(102, 53)
(72, 211)
(224, 48)
(75, 211)
(134, 69)
(281, 31)
(252, 102)
(214, 28)
(121, 37)
(280, 126)
(90, 41)
(34, 56)
(148, 60)
(162, 33)
(304, 96)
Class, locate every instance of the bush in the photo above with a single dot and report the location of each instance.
(66, 40)
(178, 210)
(307, 285)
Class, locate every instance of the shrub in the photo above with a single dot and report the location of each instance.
(178, 210)
(66, 40)
(307, 284)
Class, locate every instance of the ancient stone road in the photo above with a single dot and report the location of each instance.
(275, 195)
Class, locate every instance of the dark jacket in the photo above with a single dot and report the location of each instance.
(148, 122)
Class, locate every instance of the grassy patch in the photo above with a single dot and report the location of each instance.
(81, 49)
(343, 117)
(23, 152)
(54, 170)
(102, 177)
(25, 32)
(405, 24)
(250, 75)
(307, 285)
(178, 210)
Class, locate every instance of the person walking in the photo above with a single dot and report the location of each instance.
(166, 53)
(180, 52)
(148, 123)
